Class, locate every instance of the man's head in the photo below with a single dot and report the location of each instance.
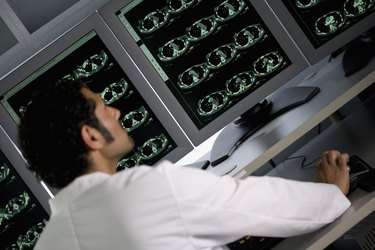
(68, 131)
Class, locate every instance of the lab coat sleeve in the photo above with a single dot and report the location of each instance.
(217, 210)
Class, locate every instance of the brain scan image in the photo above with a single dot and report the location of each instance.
(114, 91)
(322, 21)
(90, 66)
(211, 55)
(355, 8)
(177, 6)
(201, 28)
(153, 147)
(240, 83)
(4, 172)
(158, 18)
(193, 76)
(14, 207)
(149, 150)
(221, 56)
(174, 48)
(28, 240)
(129, 162)
(154, 21)
(249, 36)
(228, 9)
(329, 23)
(267, 63)
(305, 4)
(134, 119)
(212, 103)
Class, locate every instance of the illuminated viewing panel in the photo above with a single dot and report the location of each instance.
(210, 54)
(22, 217)
(209, 61)
(320, 27)
(323, 20)
(89, 59)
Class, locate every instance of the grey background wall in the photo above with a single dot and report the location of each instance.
(28, 26)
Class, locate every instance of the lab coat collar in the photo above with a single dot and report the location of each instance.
(80, 185)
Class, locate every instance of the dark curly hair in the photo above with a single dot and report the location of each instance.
(50, 132)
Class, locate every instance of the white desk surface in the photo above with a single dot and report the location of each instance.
(354, 134)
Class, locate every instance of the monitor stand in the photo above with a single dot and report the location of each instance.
(247, 124)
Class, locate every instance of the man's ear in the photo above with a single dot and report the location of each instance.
(91, 137)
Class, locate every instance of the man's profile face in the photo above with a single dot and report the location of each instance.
(109, 116)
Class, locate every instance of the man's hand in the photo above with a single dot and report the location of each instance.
(333, 169)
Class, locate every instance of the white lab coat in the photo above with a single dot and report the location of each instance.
(181, 208)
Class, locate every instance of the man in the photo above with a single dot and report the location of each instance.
(73, 141)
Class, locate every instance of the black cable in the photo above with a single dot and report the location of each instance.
(310, 163)
(304, 165)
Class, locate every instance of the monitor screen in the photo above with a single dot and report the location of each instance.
(321, 27)
(23, 201)
(210, 61)
(89, 52)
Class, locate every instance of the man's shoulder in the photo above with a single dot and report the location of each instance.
(141, 172)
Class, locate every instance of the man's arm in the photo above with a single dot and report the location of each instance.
(219, 209)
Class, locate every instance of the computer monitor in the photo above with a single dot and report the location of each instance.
(321, 27)
(90, 52)
(210, 61)
(24, 209)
